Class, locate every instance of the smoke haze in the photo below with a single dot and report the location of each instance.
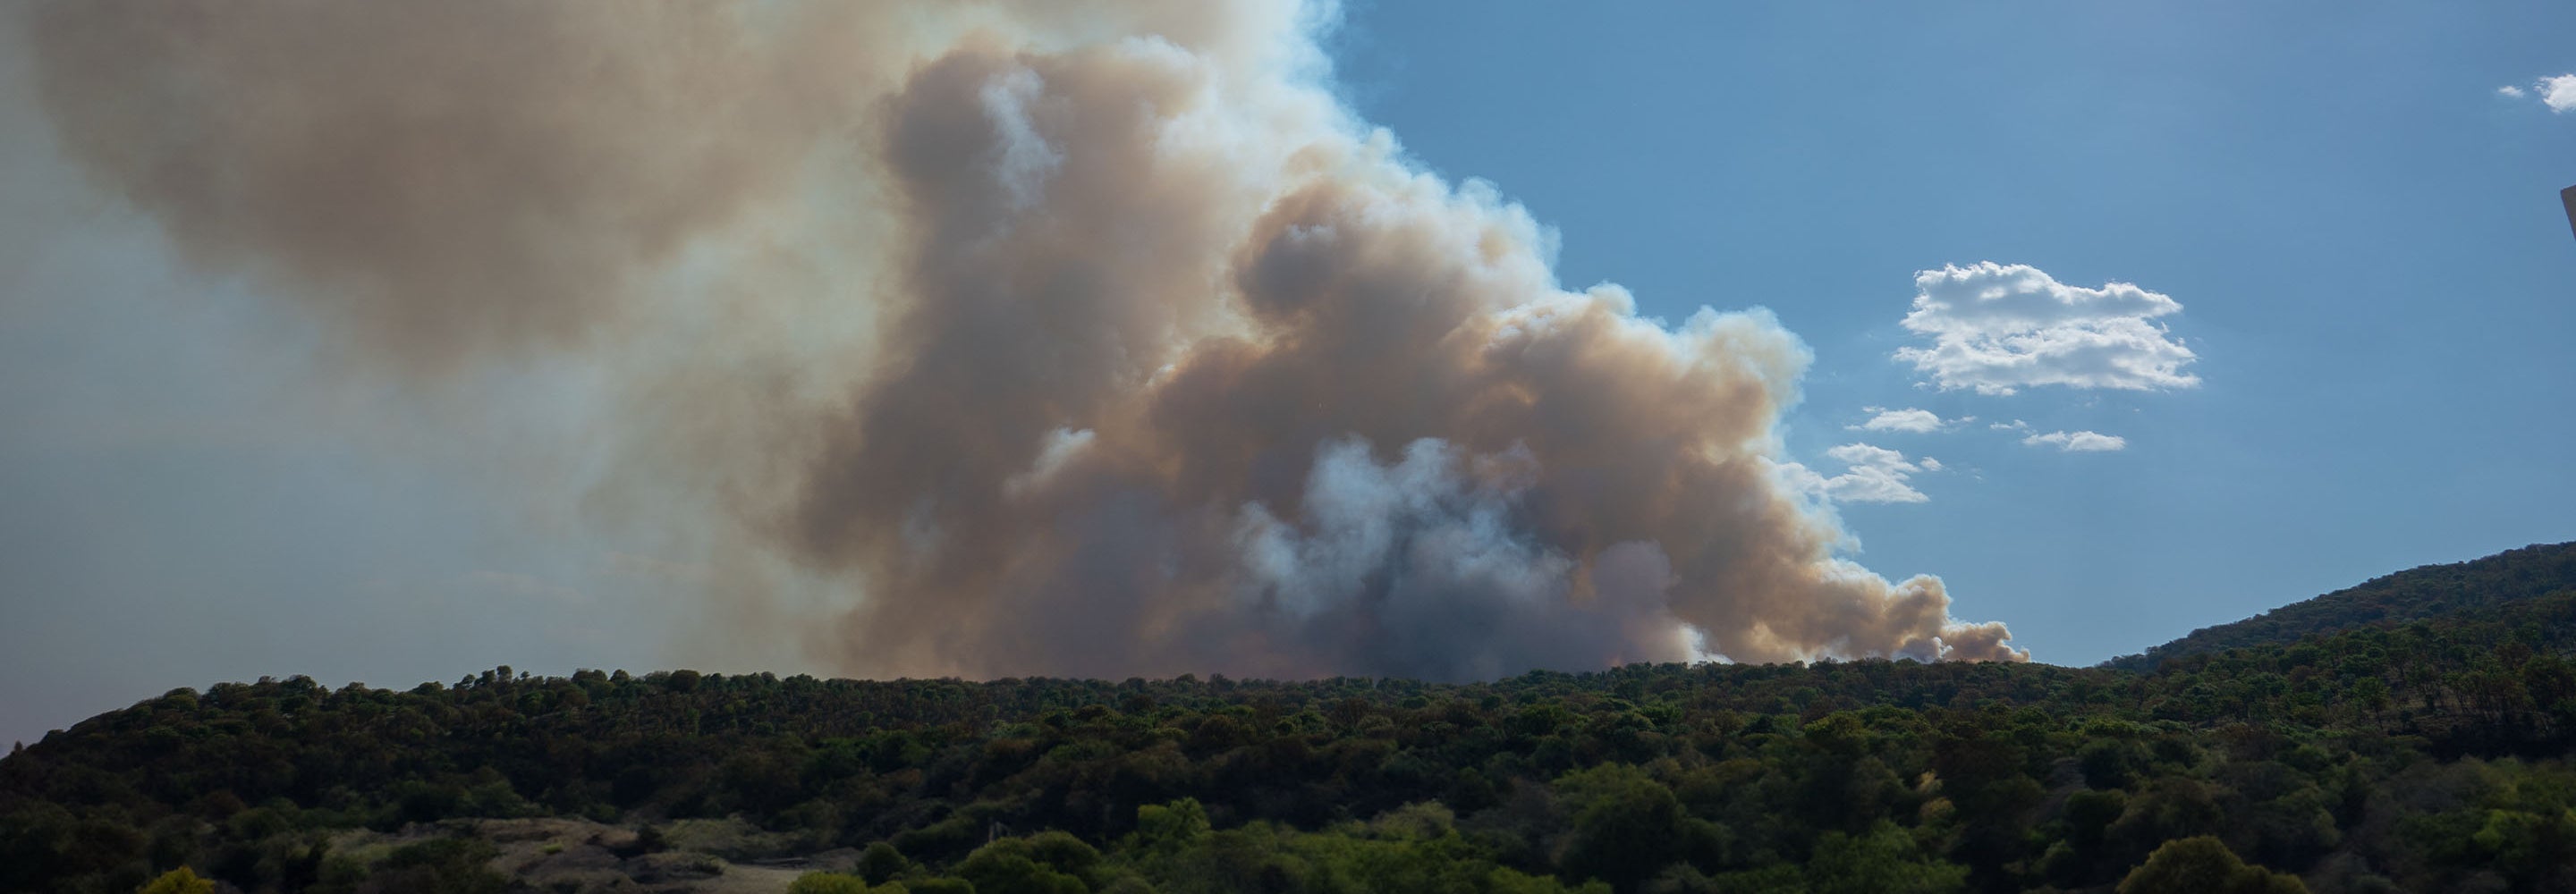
(1066, 339)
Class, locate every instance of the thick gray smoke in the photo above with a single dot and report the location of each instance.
(1056, 340)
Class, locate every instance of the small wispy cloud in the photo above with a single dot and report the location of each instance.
(2510, 91)
(2078, 441)
(1905, 420)
(1872, 474)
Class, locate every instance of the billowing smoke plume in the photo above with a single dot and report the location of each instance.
(1089, 341)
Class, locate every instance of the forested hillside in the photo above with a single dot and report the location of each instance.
(2423, 592)
(2425, 756)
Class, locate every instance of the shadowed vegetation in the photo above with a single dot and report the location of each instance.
(2424, 755)
(2429, 591)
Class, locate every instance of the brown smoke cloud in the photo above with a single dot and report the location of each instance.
(441, 178)
(1168, 365)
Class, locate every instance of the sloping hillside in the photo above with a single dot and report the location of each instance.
(2411, 595)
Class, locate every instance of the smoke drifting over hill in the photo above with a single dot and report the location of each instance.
(1053, 338)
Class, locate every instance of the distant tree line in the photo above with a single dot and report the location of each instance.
(2425, 755)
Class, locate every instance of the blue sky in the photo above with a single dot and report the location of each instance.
(2363, 232)
(2360, 228)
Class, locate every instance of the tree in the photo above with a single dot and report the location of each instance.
(1046, 863)
(1629, 828)
(1884, 861)
(880, 863)
(827, 883)
(1171, 825)
(179, 881)
(2203, 865)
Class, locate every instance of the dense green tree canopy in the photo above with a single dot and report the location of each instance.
(2425, 755)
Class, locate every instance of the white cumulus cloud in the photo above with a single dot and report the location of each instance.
(2558, 93)
(1908, 419)
(2509, 91)
(1997, 328)
(2078, 441)
(1872, 474)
